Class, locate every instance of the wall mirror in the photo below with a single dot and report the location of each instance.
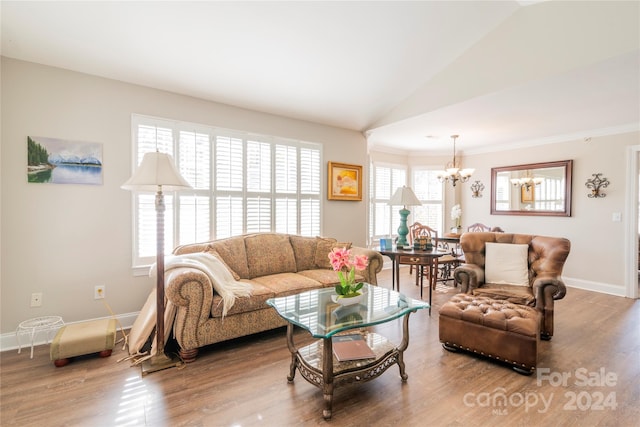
(542, 189)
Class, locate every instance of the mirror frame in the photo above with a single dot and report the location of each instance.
(568, 168)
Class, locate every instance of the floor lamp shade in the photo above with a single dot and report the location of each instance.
(156, 169)
(404, 196)
(156, 173)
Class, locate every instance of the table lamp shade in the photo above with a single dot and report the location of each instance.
(404, 196)
(156, 169)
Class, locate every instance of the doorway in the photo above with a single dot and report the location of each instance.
(632, 225)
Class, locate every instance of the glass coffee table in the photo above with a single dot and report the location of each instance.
(316, 312)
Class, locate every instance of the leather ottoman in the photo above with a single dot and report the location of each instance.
(77, 339)
(497, 329)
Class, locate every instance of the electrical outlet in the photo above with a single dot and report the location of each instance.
(36, 299)
(99, 292)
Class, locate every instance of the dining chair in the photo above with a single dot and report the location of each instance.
(415, 231)
(478, 227)
(446, 263)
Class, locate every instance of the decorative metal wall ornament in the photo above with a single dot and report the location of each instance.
(595, 184)
(476, 189)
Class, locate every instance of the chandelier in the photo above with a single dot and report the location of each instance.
(527, 181)
(452, 172)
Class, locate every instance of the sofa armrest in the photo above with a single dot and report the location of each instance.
(191, 291)
(469, 276)
(375, 263)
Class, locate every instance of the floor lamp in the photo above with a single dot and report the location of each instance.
(157, 172)
(404, 196)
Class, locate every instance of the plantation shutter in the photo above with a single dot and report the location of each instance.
(385, 181)
(194, 160)
(309, 191)
(151, 138)
(429, 190)
(241, 184)
(258, 187)
(229, 186)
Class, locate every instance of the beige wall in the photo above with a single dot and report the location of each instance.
(597, 260)
(62, 240)
(597, 243)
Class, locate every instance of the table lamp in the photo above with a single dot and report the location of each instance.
(157, 172)
(404, 196)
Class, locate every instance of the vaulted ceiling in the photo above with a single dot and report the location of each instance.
(406, 74)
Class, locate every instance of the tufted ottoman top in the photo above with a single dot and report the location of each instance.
(495, 314)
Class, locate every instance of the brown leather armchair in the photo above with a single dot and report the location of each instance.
(546, 258)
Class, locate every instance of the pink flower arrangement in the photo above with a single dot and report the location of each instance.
(346, 265)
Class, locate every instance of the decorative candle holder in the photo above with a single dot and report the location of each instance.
(595, 184)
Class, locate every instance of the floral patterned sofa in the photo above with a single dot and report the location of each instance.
(274, 264)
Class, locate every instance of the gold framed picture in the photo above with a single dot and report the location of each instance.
(344, 181)
(527, 193)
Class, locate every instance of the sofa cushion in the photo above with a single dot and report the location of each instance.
(506, 263)
(257, 301)
(285, 284)
(234, 254)
(324, 246)
(269, 253)
(327, 277)
(304, 250)
(516, 294)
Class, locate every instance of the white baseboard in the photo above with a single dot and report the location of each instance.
(8, 340)
(587, 285)
(605, 288)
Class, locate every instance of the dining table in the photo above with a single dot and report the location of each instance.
(418, 258)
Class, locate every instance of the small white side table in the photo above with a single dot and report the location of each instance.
(38, 324)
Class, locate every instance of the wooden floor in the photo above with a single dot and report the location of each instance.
(591, 378)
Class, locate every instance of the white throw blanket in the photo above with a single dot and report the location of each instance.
(219, 275)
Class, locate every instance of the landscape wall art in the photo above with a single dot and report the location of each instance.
(59, 161)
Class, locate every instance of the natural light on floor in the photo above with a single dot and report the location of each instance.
(132, 406)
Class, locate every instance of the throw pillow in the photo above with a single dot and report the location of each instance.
(324, 246)
(506, 263)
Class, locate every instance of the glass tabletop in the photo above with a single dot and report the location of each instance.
(316, 311)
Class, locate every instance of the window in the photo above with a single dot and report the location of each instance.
(241, 184)
(429, 190)
(384, 220)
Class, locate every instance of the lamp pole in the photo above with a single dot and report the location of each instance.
(159, 360)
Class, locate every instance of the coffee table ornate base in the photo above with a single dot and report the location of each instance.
(315, 312)
(317, 364)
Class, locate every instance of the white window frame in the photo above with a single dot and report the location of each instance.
(311, 195)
